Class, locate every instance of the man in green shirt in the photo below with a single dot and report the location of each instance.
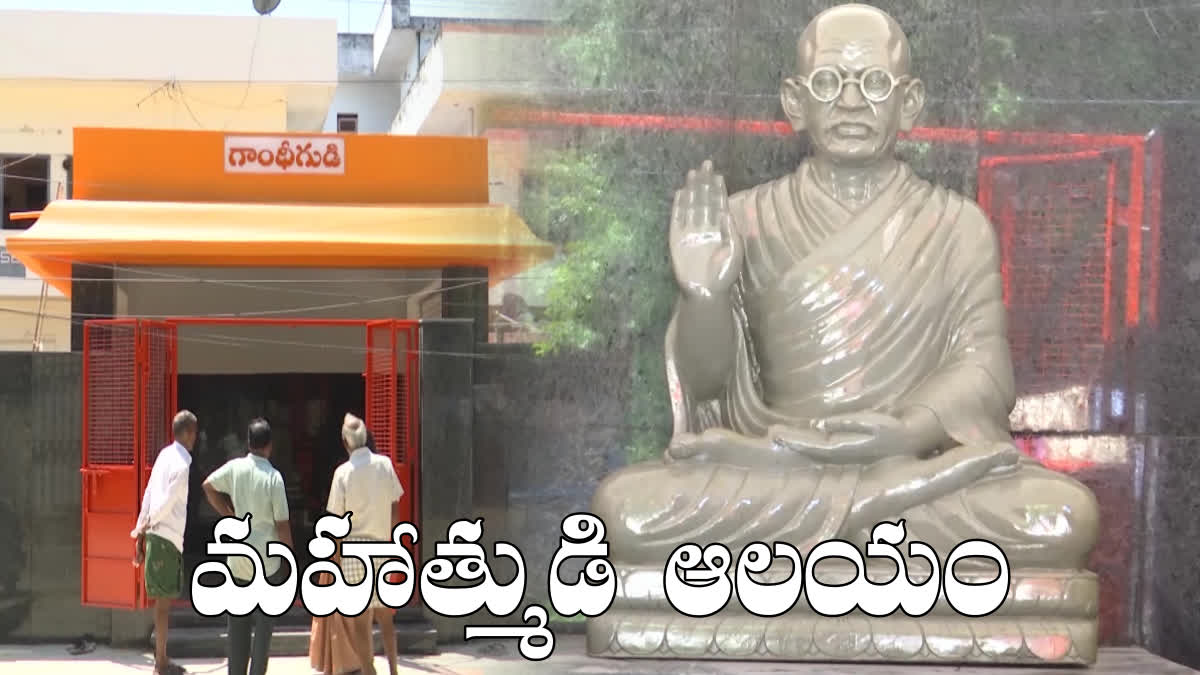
(251, 484)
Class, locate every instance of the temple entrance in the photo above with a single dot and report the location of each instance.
(137, 373)
(305, 412)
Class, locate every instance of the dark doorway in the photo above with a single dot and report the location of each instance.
(24, 186)
(305, 412)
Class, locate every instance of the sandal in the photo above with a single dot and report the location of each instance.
(84, 645)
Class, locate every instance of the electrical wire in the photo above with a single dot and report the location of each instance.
(249, 72)
(175, 278)
(303, 310)
(222, 339)
(158, 276)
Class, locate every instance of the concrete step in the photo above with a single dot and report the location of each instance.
(186, 617)
(210, 640)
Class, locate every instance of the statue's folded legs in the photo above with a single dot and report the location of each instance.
(838, 358)
(1040, 519)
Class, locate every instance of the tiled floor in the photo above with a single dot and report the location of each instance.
(569, 659)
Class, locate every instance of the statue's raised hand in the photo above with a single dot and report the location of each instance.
(706, 252)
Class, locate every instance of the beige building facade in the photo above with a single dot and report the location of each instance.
(64, 70)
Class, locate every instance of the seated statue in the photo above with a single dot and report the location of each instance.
(838, 353)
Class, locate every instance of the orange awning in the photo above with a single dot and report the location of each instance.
(265, 235)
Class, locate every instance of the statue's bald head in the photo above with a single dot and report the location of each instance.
(854, 33)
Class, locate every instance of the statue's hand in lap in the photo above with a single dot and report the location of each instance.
(893, 485)
(869, 437)
(783, 447)
(706, 252)
(874, 440)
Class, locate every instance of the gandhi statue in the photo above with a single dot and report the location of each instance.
(838, 357)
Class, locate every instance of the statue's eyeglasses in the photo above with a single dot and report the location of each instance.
(826, 84)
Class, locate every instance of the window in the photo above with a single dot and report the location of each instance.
(347, 123)
(24, 186)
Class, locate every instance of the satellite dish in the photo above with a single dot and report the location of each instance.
(265, 7)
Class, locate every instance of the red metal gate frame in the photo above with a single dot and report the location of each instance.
(92, 472)
(143, 437)
(142, 459)
(988, 165)
(403, 451)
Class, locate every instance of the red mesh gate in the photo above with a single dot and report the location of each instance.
(128, 392)
(1055, 217)
(129, 389)
(158, 396)
(392, 402)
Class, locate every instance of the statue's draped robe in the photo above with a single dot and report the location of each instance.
(894, 306)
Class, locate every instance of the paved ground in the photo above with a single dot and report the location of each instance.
(569, 659)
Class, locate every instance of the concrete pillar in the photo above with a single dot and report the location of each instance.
(447, 445)
(92, 297)
(465, 296)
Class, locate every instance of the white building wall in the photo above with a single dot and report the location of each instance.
(116, 47)
(63, 70)
(21, 303)
(484, 10)
(469, 67)
(375, 103)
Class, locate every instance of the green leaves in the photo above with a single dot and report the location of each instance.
(613, 281)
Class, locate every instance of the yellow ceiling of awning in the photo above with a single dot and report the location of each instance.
(269, 235)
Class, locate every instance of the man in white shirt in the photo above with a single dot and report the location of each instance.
(251, 484)
(159, 531)
(365, 485)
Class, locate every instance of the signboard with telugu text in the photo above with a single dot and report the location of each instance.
(172, 165)
(285, 155)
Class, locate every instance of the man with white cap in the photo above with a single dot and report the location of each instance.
(366, 486)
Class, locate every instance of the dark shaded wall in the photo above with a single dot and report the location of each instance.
(41, 502)
(1171, 462)
(515, 439)
(465, 295)
(92, 297)
(547, 430)
(447, 370)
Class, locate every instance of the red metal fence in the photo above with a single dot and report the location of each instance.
(391, 399)
(129, 399)
(111, 448)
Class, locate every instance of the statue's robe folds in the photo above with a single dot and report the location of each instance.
(894, 306)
